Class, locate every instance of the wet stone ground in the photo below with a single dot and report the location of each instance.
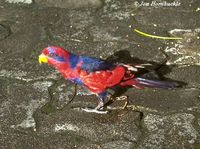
(33, 111)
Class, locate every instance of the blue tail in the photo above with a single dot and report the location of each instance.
(156, 83)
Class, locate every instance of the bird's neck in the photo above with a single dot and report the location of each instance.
(69, 69)
(64, 69)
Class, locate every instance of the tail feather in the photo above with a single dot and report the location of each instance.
(156, 83)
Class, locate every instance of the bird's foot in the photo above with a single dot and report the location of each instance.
(95, 110)
(100, 109)
(123, 98)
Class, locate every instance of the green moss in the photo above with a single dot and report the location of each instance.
(197, 146)
(48, 108)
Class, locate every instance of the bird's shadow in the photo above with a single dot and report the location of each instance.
(153, 71)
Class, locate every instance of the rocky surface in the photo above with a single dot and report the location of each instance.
(33, 98)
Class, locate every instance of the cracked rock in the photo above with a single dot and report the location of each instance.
(185, 51)
(166, 131)
(4, 32)
(71, 4)
(23, 99)
(92, 126)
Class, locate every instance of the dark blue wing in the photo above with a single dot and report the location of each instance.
(93, 64)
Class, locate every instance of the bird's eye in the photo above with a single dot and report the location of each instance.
(52, 54)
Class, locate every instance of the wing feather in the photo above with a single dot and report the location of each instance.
(98, 81)
(93, 64)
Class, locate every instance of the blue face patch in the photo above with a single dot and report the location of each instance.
(59, 59)
(52, 53)
(51, 50)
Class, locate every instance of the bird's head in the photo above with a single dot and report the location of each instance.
(53, 55)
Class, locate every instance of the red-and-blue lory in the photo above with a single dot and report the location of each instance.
(98, 75)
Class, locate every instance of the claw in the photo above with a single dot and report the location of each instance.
(126, 103)
(123, 98)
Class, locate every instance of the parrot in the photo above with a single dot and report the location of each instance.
(99, 76)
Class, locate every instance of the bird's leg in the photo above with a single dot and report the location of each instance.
(100, 106)
(123, 98)
(111, 99)
(98, 109)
